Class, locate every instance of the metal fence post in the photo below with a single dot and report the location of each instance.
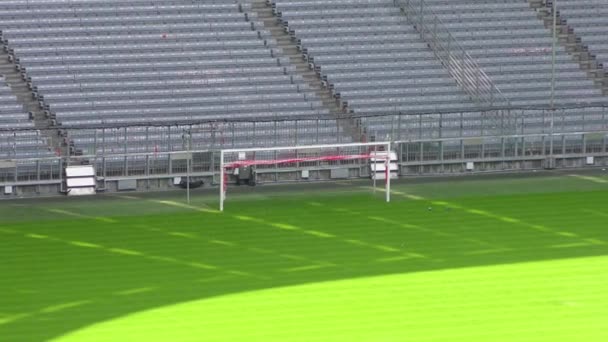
(147, 171)
(461, 124)
(275, 132)
(462, 157)
(232, 134)
(421, 156)
(147, 138)
(95, 142)
(60, 174)
(105, 173)
(551, 128)
(483, 123)
(126, 149)
(419, 126)
(254, 135)
(399, 127)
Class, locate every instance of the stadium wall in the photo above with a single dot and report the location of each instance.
(417, 157)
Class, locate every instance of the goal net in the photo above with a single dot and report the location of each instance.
(305, 164)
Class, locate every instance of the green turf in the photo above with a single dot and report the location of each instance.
(518, 259)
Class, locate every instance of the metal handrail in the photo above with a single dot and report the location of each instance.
(464, 69)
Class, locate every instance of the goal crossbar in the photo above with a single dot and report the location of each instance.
(224, 165)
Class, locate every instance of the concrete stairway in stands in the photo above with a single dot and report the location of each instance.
(290, 50)
(573, 44)
(25, 96)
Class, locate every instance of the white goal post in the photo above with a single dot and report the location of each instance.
(323, 160)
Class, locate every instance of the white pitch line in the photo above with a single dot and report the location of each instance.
(306, 268)
(127, 197)
(204, 209)
(591, 179)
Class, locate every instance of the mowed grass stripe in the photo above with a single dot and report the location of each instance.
(187, 255)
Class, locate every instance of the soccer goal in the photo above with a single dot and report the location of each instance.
(251, 166)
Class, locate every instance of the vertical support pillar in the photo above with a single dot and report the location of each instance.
(212, 166)
(105, 171)
(374, 169)
(188, 165)
(502, 152)
(551, 127)
(441, 156)
(440, 125)
(170, 170)
(461, 124)
(523, 122)
(38, 170)
(188, 162)
(399, 137)
(388, 172)
(147, 165)
(222, 184)
(421, 158)
(400, 157)
(584, 136)
(544, 144)
(254, 142)
(276, 133)
(461, 148)
(147, 138)
(61, 183)
(483, 123)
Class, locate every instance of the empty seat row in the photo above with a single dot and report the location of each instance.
(514, 53)
(156, 61)
(372, 58)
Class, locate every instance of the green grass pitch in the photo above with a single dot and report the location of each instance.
(465, 259)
